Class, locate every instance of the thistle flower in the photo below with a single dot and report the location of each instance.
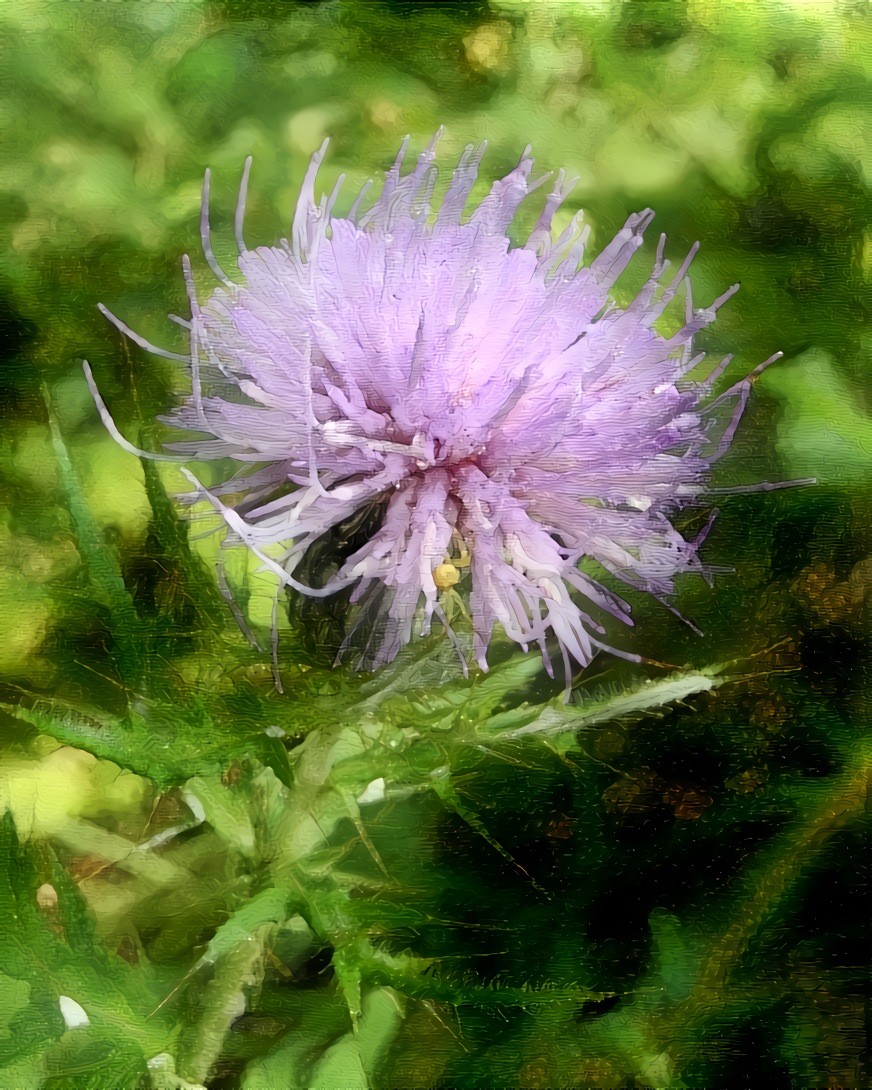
(507, 416)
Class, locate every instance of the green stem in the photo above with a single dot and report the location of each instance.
(782, 866)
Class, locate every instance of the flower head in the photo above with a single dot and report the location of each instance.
(508, 418)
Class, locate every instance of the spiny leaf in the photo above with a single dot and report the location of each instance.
(267, 908)
(235, 951)
(554, 718)
(222, 1001)
(422, 695)
(171, 534)
(100, 561)
(445, 791)
(94, 732)
(417, 978)
(165, 743)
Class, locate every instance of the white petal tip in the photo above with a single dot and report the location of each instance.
(72, 1013)
(374, 792)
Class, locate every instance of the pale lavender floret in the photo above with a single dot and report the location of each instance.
(494, 398)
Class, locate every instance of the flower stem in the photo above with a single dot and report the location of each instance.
(771, 879)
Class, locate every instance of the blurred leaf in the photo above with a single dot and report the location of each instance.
(823, 431)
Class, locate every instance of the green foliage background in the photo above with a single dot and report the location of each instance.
(374, 881)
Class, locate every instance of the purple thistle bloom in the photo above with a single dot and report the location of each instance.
(507, 415)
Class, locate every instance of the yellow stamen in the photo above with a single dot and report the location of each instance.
(446, 575)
